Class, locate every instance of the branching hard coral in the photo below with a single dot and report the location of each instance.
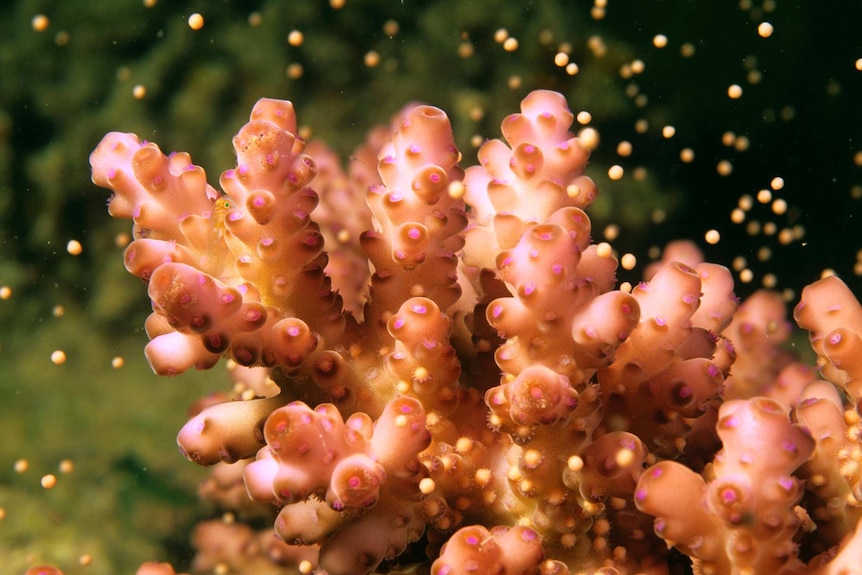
(497, 406)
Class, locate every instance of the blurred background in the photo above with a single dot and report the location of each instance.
(739, 117)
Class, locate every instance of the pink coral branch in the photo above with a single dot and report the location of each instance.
(498, 404)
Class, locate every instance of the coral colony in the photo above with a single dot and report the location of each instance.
(435, 369)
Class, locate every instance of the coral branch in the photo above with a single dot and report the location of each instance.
(489, 401)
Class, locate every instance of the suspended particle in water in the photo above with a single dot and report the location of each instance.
(40, 22)
(196, 21)
(295, 38)
(765, 29)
